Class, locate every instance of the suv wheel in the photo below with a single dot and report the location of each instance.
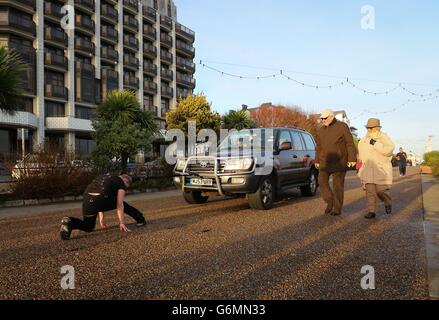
(310, 190)
(263, 198)
(194, 197)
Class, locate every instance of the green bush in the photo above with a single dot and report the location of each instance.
(436, 169)
(431, 158)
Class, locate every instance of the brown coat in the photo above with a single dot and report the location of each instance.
(335, 147)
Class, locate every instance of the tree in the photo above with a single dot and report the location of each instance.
(121, 130)
(237, 120)
(11, 84)
(193, 108)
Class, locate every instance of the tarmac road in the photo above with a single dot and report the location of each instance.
(225, 250)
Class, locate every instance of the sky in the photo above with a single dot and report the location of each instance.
(322, 43)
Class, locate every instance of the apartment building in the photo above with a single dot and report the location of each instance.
(114, 44)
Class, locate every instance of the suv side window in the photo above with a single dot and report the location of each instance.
(309, 142)
(284, 136)
(297, 141)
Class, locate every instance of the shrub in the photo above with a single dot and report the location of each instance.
(431, 158)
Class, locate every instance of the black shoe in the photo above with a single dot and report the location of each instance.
(65, 230)
(389, 209)
(333, 213)
(370, 215)
(141, 222)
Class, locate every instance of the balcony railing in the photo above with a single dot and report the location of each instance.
(53, 9)
(167, 91)
(20, 22)
(130, 41)
(133, 4)
(84, 45)
(149, 31)
(149, 68)
(131, 81)
(83, 67)
(166, 39)
(186, 48)
(150, 87)
(52, 59)
(186, 64)
(109, 32)
(110, 12)
(150, 13)
(55, 91)
(130, 61)
(186, 80)
(184, 31)
(149, 50)
(109, 74)
(55, 35)
(83, 21)
(90, 4)
(167, 74)
(130, 21)
(29, 3)
(109, 53)
(166, 22)
(183, 93)
(166, 56)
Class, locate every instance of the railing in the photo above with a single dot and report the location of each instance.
(55, 35)
(149, 49)
(166, 39)
(167, 91)
(110, 12)
(131, 81)
(15, 20)
(185, 79)
(84, 21)
(55, 60)
(109, 53)
(150, 87)
(130, 41)
(167, 74)
(133, 4)
(188, 64)
(84, 45)
(30, 3)
(166, 56)
(55, 91)
(150, 13)
(110, 33)
(149, 67)
(130, 60)
(130, 21)
(84, 67)
(53, 9)
(185, 47)
(86, 3)
(185, 31)
(166, 21)
(149, 31)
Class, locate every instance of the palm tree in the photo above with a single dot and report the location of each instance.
(122, 126)
(237, 120)
(11, 84)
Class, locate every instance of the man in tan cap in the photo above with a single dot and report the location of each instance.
(376, 174)
(336, 152)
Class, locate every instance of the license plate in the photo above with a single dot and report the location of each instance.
(201, 182)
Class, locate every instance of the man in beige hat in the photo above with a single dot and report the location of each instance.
(376, 174)
(336, 152)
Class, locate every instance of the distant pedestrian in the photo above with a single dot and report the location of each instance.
(376, 174)
(105, 193)
(336, 153)
(402, 160)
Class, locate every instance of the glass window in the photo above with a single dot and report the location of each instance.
(297, 141)
(284, 137)
(53, 109)
(309, 142)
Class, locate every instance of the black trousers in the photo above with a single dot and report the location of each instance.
(402, 169)
(334, 198)
(92, 205)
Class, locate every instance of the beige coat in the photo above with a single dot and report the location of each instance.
(377, 160)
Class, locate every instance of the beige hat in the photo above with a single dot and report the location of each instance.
(373, 123)
(326, 113)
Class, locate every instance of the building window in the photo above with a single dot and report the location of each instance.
(83, 147)
(84, 113)
(54, 109)
(26, 105)
(54, 78)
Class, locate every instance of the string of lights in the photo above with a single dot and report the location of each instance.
(347, 80)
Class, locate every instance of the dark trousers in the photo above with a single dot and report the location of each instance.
(333, 197)
(402, 168)
(92, 205)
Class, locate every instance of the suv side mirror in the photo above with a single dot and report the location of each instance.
(286, 146)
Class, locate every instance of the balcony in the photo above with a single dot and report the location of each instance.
(150, 68)
(84, 45)
(152, 109)
(166, 40)
(150, 13)
(131, 4)
(109, 53)
(167, 74)
(55, 35)
(166, 22)
(130, 61)
(130, 22)
(166, 56)
(54, 91)
(185, 65)
(186, 80)
(110, 13)
(130, 42)
(19, 118)
(167, 91)
(185, 32)
(28, 3)
(131, 81)
(183, 93)
(20, 21)
(110, 81)
(149, 32)
(84, 68)
(186, 48)
(86, 4)
(68, 124)
(55, 60)
(109, 33)
(149, 50)
(85, 22)
(150, 87)
(53, 9)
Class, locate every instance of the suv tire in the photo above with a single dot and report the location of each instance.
(194, 197)
(263, 198)
(310, 190)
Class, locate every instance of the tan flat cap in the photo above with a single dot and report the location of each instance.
(373, 123)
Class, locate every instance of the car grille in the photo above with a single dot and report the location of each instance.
(204, 166)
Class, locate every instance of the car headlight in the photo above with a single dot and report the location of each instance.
(238, 164)
(180, 164)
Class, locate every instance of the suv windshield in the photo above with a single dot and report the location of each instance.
(252, 139)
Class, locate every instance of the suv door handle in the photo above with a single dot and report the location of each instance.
(295, 156)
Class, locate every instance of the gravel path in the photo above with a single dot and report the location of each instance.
(224, 250)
